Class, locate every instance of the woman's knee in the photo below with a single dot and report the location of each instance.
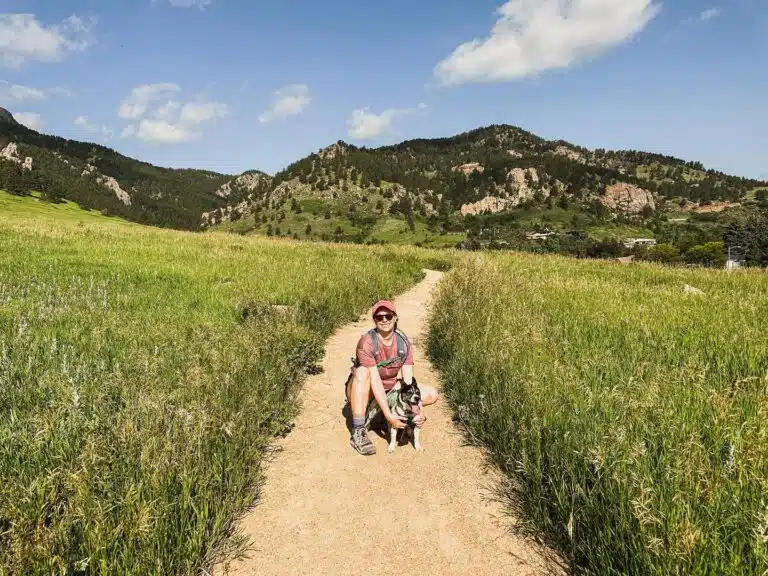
(362, 377)
(429, 395)
(360, 383)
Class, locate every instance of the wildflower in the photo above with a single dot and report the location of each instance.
(761, 530)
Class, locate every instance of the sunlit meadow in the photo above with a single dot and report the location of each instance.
(629, 415)
(143, 374)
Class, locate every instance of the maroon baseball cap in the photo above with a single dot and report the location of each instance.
(383, 304)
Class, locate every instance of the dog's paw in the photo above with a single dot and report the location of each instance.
(419, 448)
(391, 450)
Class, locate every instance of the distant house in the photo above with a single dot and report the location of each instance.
(539, 235)
(632, 242)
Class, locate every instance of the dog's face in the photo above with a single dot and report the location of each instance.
(410, 393)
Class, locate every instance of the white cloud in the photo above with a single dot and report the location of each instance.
(20, 93)
(170, 123)
(365, 125)
(709, 14)
(85, 124)
(190, 3)
(531, 36)
(288, 101)
(163, 132)
(82, 122)
(23, 38)
(31, 120)
(137, 104)
(195, 113)
(168, 110)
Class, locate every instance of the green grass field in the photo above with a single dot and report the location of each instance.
(631, 418)
(144, 372)
(387, 229)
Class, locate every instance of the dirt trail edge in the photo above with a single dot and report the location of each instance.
(327, 510)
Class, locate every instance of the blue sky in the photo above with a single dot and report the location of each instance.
(232, 85)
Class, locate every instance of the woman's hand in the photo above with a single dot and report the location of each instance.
(419, 419)
(395, 421)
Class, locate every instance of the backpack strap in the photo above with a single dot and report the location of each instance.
(403, 347)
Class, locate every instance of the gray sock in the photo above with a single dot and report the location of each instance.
(358, 422)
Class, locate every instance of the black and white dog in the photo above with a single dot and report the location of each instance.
(407, 406)
(404, 402)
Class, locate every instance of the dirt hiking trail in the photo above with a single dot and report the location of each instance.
(325, 509)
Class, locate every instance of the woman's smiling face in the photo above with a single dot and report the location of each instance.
(384, 318)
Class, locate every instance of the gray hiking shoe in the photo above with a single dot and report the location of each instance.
(360, 442)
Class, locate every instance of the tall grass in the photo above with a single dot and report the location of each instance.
(630, 417)
(143, 374)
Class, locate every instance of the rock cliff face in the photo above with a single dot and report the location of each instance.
(249, 181)
(489, 203)
(570, 153)
(627, 198)
(113, 185)
(108, 182)
(469, 168)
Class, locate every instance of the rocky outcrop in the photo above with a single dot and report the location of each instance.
(249, 181)
(627, 198)
(113, 185)
(520, 177)
(108, 182)
(469, 168)
(330, 152)
(570, 153)
(11, 153)
(490, 204)
(522, 180)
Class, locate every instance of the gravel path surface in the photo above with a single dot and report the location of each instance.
(327, 510)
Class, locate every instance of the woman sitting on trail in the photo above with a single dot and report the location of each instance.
(382, 354)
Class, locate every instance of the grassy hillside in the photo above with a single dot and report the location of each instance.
(81, 172)
(629, 415)
(143, 373)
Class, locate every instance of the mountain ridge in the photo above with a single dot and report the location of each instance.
(492, 169)
(98, 177)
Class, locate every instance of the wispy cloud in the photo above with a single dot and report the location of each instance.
(190, 3)
(31, 120)
(83, 123)
(709, 14)
(19, 93)
(171, 122)
(366, 125)
(24, 38)
(288, 101)
(532, 36)
(137, 104)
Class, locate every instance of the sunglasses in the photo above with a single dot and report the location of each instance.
(383, 317)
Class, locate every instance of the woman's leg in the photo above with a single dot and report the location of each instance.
(359, 391)
(359, 395)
